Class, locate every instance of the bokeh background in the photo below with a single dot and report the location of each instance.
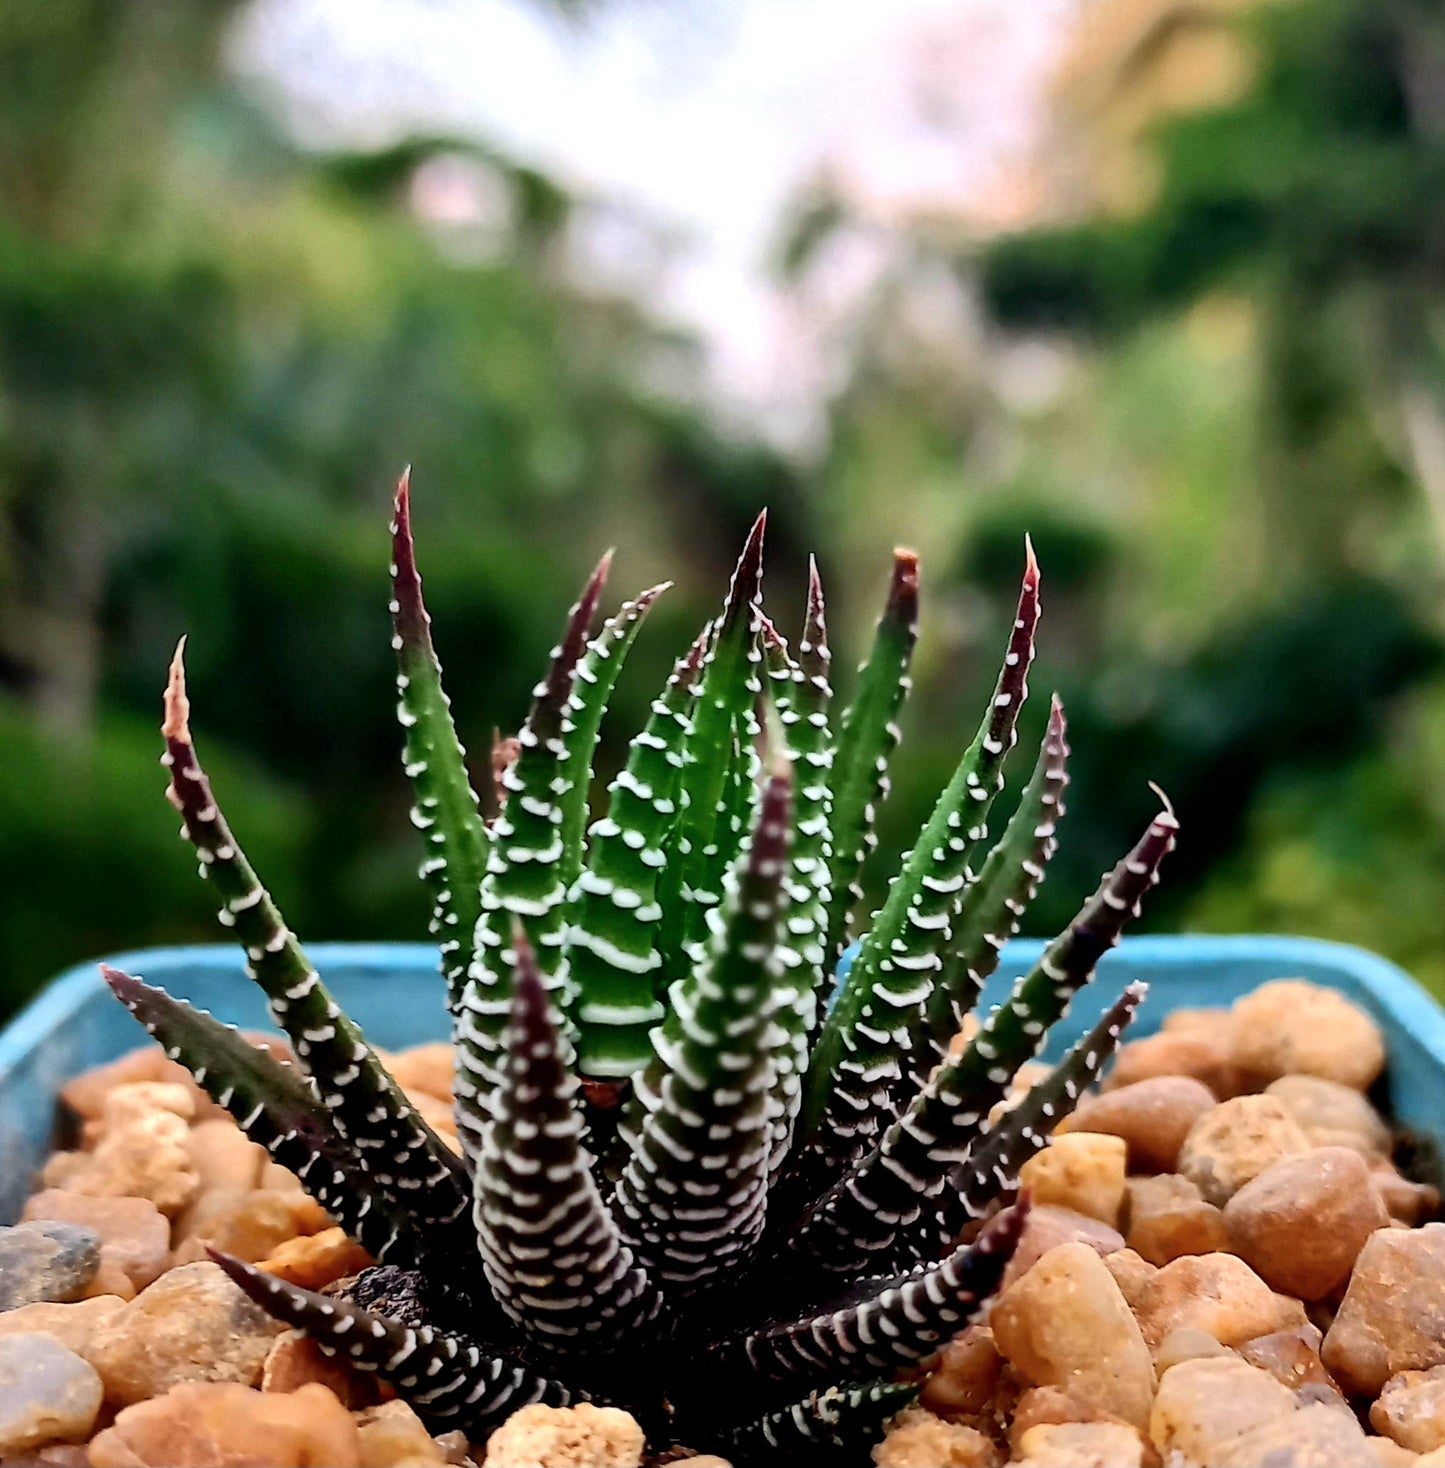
(1158, 280)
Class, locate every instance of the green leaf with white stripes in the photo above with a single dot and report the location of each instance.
(596, 678)
(523, 882)
(728, 690)
(692, 1196)
(858, 1060)
(877, 1206)
(404, 1157)
(867, 738)
(552, 1253)
(446, 811)
(613, 910)
(802, 693)
(993, 905)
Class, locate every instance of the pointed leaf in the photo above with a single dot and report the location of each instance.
(992, 1168)
(827, 1423)
(552, 1253)
(523, 878)
(367, 1108)
(613, 909)
(691, 1197)
(881, 1325)
(727, 691)
(867, 738)
(802, 693)
(596, 678)
(857, 1063)
(447, 812)
(994, 904)
(450, 1381)
(877, 1205)
(275, 1107)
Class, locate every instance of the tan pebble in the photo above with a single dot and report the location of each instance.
(278, 1179)
(1411, 1409)
(72, 1325)
(1392, 1317)
(1322, 1197)
(317, 1259)
(193, 1324)
(1216, 1293)
(64, 1455)
(1317, 1436)
(111, 1282)
(424, 1068)
(251, 1225)
(224, 1157)
(1292, 1357)
(1065, 1324)
(295, 1359)
(223, 1425)
(1041, 1405)
(1186, 1343)
(918, 1439)
(1152, 1117)
(145, 1158)
(1081, 1445)
(135, 1235)
(1131, 1273)
(60, 1167)
(1204, 1055)
(583, 1436)
(1387, 1454)
(1202, 1018)
(1048, 1226)
(392, 1435)
(85, 1094)
(1168, 1218)
(1409, 1202)
(455, 1449)
(1083, 1171)
(963, 1380)
(1205, 1404)
(1235, 1142)
(47, 1393)
(1291, 1026)
(128, 1103)
(1332, 1115)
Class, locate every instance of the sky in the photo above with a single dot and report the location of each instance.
(703, 119)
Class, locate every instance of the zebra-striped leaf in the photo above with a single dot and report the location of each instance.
(446, 812)
(404, 1157)
(614, 912)
(692, 1196)
(552, 1252)
(879, 1203)
(857, 1063)
(867, 737)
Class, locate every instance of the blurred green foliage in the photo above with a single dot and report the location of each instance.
(1313, 208)
(216, 353)
(217, 350)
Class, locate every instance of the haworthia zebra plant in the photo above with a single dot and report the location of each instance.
(693, 1180)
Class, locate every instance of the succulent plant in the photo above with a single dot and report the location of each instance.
(699, 1176)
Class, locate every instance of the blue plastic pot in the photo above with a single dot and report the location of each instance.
(394, 992)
